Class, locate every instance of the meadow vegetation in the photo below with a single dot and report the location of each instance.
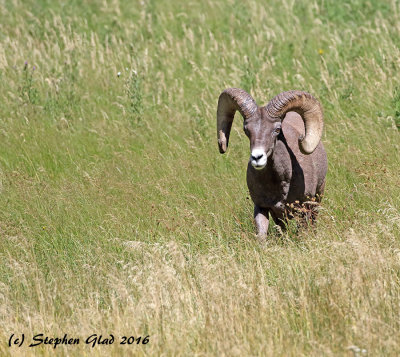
(119, 216)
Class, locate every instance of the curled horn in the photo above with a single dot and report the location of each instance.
(310, 110)
(229, 101)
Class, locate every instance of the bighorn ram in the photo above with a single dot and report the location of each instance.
(288, 163)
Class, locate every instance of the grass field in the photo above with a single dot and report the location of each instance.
(119, 216)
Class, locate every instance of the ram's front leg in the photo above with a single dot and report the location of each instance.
(279, 215)
(278, 211)
(261, 217)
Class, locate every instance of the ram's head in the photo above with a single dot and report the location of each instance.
(262, 125)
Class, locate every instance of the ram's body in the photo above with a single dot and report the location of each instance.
(288, 163)
(289, 175)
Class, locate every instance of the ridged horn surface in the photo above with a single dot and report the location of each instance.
(229, 101)
(310, 110)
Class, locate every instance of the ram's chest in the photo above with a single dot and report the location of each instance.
(264, 189)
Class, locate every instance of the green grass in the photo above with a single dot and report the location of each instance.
(118, 214)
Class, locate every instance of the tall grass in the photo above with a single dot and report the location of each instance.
(118, 215)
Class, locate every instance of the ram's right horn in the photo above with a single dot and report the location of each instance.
(231, 100)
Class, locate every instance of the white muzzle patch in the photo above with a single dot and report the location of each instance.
(258, 158)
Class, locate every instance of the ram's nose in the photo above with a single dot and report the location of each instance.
(258, 158)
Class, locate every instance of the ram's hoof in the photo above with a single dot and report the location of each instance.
(262, 238)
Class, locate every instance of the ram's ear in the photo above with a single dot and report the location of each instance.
(231, 100)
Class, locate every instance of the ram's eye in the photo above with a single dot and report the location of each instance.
(246, 131)
(277, 130)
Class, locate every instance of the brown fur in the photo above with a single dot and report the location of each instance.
(289, 175)
(292, 176)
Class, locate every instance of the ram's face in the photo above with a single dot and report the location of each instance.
(262, 133)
